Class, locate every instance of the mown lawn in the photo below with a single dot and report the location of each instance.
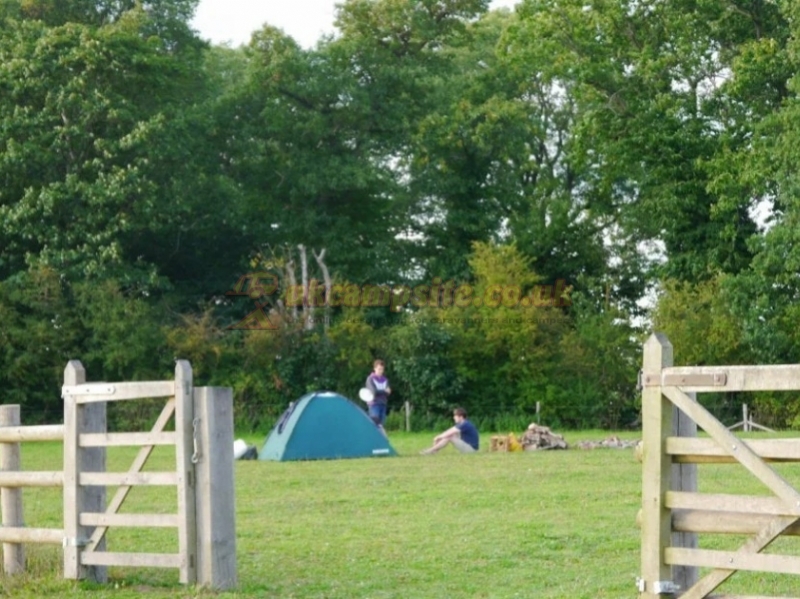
(558, 524)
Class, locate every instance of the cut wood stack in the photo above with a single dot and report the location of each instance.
(541, 437)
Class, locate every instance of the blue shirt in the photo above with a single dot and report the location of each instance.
(469, 434)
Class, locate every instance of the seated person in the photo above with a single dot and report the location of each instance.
(463, 436)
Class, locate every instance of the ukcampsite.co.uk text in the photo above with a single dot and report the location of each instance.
(438, 294)
(445, 318)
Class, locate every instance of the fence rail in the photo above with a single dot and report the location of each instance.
(12, 479)
(52, 536)
(21, 434)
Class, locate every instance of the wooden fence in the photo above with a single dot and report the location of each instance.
(203, 476)
(673, 512)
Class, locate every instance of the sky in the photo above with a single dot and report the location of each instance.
(232, 21)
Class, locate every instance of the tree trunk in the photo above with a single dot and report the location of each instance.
(308, 307)
(326, 276)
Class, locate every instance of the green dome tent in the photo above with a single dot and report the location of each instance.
(324, 426)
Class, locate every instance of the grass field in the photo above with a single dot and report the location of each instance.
(555, 524)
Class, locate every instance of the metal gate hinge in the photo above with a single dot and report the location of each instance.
(665, 587)
(660, 587)
(88, 389)
(73, 542)
(717, 379)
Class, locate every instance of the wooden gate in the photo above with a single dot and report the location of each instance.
(203, 476)
(673, 513)
(86, 519)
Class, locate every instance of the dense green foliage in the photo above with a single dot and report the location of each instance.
(596, 155)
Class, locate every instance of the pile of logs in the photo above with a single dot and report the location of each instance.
(541, 437)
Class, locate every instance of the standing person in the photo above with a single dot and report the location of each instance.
(463, 435)
(379, 385)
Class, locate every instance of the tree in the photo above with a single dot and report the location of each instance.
(107, 188)
(108, 129)
(598, 360)
(412, 60)
(656, 115)
(763, 169)
(301, 146)
(82, 110)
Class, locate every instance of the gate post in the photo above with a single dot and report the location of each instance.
(216, 509)
(185, 456)
(78, 419)
(657, 471)
(10, 498)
